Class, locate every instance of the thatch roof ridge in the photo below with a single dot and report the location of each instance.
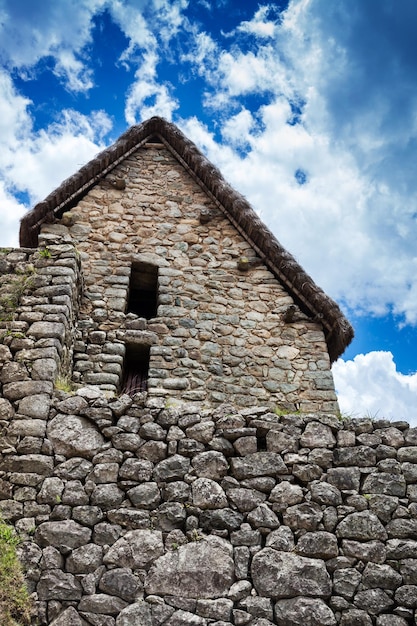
(337, 329)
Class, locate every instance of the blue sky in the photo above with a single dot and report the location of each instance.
(309, 108)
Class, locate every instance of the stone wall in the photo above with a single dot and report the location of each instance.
(40, 291)
(220, 332)
(134, 515)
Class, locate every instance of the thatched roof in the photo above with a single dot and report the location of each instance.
(307, 294)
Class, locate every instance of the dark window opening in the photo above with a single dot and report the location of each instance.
(143, 296)
(261, 443)
(136, 367)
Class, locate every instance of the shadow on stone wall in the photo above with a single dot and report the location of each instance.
(179, 516)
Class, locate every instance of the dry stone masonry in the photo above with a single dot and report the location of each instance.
(170, 447)
(219, 333)
(171, 516)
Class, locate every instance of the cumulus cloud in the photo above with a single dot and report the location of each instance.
(260, 25)
(34, 162)
(32, 31)
(53, 154)
(371, 385)
(149, 29)
(11, 212)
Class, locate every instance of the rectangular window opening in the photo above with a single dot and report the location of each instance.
(143, 290)
(136, 367)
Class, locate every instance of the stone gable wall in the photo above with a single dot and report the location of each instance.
(220, 332)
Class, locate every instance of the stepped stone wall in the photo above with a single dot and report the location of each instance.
(170, 516)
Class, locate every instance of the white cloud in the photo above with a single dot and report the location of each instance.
(259, 26)
(14, 117)
(35, 162)
(31, 31)
(371, 385)
(10, 213)
(53, 154)
(149, 33)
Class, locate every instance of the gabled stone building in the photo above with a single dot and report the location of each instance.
(173, 507)
(186, 293)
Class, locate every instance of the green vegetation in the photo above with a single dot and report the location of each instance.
(64, 383)
(12, 291)
(45, 253)
(15, 605)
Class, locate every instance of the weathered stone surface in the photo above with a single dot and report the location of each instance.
(28, 428)
(29, 463)
(302, 611)
(210, 464)
(260, 464)
(355, 617)
(344, 478)
(406, 595)
(365, 551)
(139, 470)
(146, 496)
(22, 389)
(286, 494)
(390, 620)
(121, 582)
(385, 483)
(101, 603)
(74, 469)
(323, 493)
(219, 609)
(47, 330)
(380, 575)
(317, 435)
(69, 617)
(129, 518)
(278, 574)
(263, 517)
(281, 539)
(346, 581)
(184, 618)
(138, 614)
(136, 550)
(374, 601)
(318, 545)
(306, 515)
(74, 436)
(402, 528)
(107, 496)
(221, 519)
(173, 468)
(362, 526)
(57, 585)
(245, 499)
(208, 494)
(358, 456)
(201, 569)
(85, 559)
(62, 533)
(36, 406)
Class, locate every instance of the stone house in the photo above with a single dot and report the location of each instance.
(147, 271)
(183, 291)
